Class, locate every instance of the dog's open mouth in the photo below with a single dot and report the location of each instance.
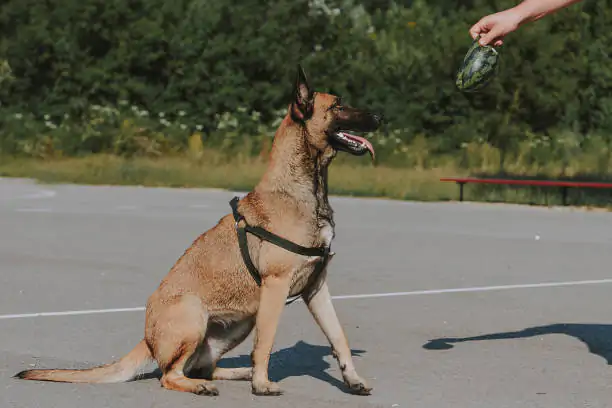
(352, 143)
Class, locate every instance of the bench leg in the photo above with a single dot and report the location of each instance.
(564, 195)
(460, 190)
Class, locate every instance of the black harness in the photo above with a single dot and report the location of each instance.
(322, 252)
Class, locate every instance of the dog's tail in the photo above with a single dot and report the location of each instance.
(122, 370)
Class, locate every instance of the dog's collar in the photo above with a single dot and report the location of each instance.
(322, 252)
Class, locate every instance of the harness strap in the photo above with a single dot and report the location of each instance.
(276, 240)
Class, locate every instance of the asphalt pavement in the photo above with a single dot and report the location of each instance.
(456, 305)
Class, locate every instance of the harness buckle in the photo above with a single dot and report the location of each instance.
(326, 252)
(238, 219)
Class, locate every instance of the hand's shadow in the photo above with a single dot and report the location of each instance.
(597, 337)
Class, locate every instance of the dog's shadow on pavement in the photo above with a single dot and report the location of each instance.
(301, 359)
(597, 337)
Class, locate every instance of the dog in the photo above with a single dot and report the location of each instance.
(237, 276)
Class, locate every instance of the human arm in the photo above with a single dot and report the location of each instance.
(494, 27)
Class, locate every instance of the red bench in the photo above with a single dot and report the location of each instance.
(564, 185)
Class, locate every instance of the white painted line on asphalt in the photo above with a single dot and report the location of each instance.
(71, 313)
(342, 297)
(477, 289)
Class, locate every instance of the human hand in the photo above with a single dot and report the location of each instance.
(494, 27)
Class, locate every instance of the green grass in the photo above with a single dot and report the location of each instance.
(408, 167)
(348, 177)
(214, 171)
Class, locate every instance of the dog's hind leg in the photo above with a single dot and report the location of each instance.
(221, 337)
(224, 341)
(236, 374)
(177, 335)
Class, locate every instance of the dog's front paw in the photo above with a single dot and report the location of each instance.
(266, 388)
(358, 385)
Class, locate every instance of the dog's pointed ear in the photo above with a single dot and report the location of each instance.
(303, 97)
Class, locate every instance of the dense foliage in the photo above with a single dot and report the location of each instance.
(133, 75)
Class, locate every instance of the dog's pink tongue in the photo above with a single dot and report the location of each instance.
(361, 140)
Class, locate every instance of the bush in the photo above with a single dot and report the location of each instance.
(142, 77)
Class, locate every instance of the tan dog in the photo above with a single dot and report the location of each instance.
(208, 303)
